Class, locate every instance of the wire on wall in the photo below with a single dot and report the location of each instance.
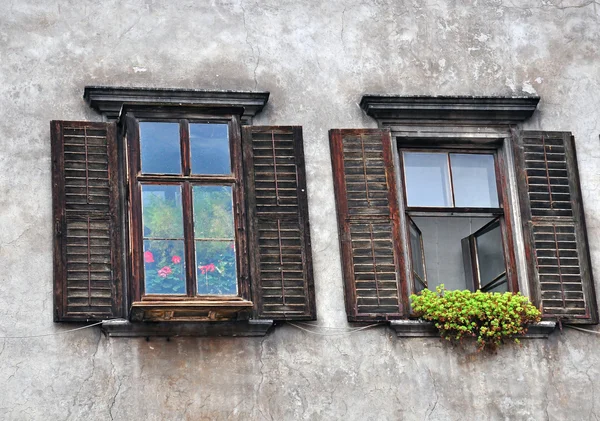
(62, 332)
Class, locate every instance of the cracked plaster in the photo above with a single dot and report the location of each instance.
(317, 59)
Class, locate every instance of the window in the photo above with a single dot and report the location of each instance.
(187, 193)
(456, 221)
(449, 191)
(179, 210)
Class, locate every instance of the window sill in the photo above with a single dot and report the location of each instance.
(125, 328)
(190, 311)
(422, 329)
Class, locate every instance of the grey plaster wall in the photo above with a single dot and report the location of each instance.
(317, 59)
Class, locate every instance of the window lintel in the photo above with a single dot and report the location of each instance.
(108, 100)
(423, 110)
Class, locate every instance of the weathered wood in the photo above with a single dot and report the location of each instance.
(87, 229)
(278, 229)
(556, 244)
(367, 208)
(186, 180)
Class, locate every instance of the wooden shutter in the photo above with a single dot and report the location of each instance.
(279, 238)
(87, 245)
(555, 233)
(367, 207)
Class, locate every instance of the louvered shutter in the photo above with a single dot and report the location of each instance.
(279, 238)
(556, 238)
(367, 208)
(87, 245)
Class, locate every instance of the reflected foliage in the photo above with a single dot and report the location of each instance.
(215, 255)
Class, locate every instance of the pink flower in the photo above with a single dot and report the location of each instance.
(164, 272)
(148, 257)
(207, 268)
(176, 259)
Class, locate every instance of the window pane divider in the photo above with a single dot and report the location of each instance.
(190, 249)
(177, 178)
(440, 211)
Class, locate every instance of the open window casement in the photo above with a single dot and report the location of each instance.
(483, 256)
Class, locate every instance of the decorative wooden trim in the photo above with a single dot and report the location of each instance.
(455, 109)
(190, 311)
(108, 100)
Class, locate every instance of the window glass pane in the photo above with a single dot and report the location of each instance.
(213, 212)
(162, 213)
(216, 267)
(418, 265)
(160, 148)
(474, 179)
(164, 267)
(427, 179)
(490, 255)
(209, 144)
(442, 237)
(164, 257)
(215, 240)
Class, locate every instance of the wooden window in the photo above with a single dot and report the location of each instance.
(453, 200)
(186, 189)
(214, 224)
(436, 214)
(441, 213)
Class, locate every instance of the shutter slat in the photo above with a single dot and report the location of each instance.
(555, 233)
(87, 274)
(367, 207)
(281, 261)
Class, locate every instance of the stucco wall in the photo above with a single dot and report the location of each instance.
(317, 59)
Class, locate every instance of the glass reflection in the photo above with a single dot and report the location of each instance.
(209, 144)
(427, 179)
(474, 180)
(160, 148)
(215, 240)
(164, 257)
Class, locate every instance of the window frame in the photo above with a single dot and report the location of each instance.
(187, 180)
(495, 145)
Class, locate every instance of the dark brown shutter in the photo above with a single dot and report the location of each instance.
(87, 245)
(279, 238)
(555, 233)
(367, 207)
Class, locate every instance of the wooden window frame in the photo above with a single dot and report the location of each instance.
(503, 212)
(134, 180)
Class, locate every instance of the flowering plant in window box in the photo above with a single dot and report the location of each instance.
(491, 318)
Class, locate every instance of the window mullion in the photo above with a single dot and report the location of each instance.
(451, 180)
(188, 232)
(184, 135)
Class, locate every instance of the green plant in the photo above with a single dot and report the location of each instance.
(490, 317)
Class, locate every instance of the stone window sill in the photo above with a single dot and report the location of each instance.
(125, 328)
(423, 329)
